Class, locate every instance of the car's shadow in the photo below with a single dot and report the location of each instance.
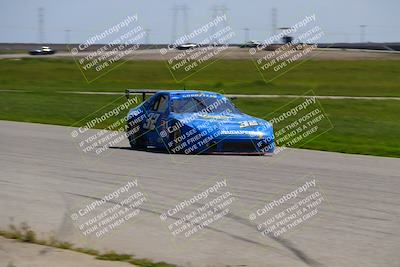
(140, 149)
(159, 151)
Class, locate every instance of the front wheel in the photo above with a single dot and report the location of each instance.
(136, 141)
(175, 140)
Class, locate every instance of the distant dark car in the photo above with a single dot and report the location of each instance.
(45, 50)
(186, 46)
(250, 44)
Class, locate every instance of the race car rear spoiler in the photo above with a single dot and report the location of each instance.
(143, 92)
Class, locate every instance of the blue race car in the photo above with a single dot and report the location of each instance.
(193, 122)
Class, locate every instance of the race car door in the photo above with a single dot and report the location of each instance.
(157, 114)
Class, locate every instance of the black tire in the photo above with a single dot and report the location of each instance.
(135, 140)
(172, 137)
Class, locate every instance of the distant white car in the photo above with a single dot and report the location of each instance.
(187, 46)
(45, 50)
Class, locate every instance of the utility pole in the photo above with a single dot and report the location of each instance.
(362, 33)
(246, 34)
(147, 38)
(176, 11)
(214, 15)
(224, 10)
(41, 25)
(274, 17)
(346, 37)
(185, 18)
(67, 36)
(219, 10)
(174, 23)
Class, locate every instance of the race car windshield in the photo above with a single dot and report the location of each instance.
(203, 104)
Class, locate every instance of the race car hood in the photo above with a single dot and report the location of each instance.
(235, 125)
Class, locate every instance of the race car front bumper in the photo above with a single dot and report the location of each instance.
(241, 146)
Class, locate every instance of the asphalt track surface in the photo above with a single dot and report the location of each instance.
(233, 53)
(44, 179)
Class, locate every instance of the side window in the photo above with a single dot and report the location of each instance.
(160, 104)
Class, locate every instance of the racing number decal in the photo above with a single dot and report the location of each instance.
(150, 123)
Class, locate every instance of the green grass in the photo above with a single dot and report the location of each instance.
(113, 256)
(60, 109)
(13, 51)
(350, 78)
(359, 126)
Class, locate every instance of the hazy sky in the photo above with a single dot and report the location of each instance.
(339, 19)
